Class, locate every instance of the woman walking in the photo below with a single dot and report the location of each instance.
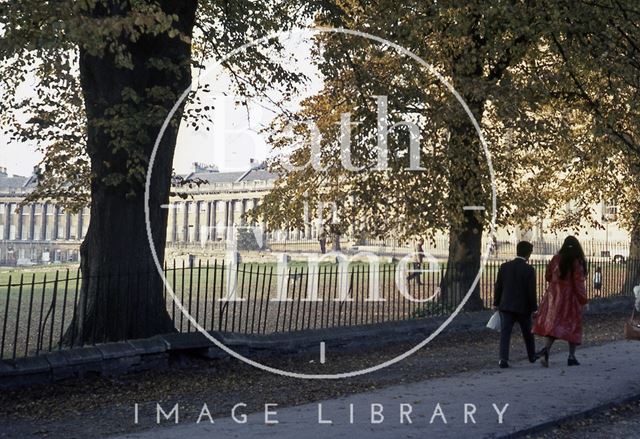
(560, 314)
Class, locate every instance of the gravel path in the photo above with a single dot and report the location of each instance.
(620, 421)
(100, 406)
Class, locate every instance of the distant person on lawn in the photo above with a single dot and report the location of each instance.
(418, 257)
(560, 315)
(597, 280)
(322, 240)
(515, 298)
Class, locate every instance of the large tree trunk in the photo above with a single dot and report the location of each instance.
(463, 264)
(467, 187)
(632, 277)
(122, 294)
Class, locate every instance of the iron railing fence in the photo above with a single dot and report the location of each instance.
(37, 307)
(15, 252)
(615, 250)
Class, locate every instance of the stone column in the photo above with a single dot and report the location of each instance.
(32, 223)
(207, 221)
(79, 224)
(56, 216)
(43, 224)
(196, 222)
(67, 227)
(7, 221)
(241, 220)
(20, 224)
(214, 220)
(51, 220)
(232, 212)
(225, 219)
(170, 220)
(185, 223)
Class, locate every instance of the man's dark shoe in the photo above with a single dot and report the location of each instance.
(503, 364)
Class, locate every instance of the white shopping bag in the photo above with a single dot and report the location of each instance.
(494, 321)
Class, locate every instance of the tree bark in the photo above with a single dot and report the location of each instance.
(121, 296)
(335, 242)
(463, 264)
(465, 189)
(632, 276)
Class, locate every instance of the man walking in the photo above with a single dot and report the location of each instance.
(418, 257)
(515, 298)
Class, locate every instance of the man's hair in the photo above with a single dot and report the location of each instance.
(524, 249)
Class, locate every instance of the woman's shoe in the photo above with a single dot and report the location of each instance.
(571, 361)
(544, 357)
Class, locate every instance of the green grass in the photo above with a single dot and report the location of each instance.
(39, 271)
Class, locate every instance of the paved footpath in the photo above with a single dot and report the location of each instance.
(534, 395)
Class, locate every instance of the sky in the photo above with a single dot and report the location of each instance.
(234, 137)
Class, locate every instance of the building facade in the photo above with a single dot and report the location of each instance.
(45, 233)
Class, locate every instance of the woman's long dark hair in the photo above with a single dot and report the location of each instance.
(570, 252)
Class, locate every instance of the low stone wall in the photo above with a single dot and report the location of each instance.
(112, 359)
(106, 359)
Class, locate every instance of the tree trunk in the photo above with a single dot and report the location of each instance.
(335, 241)
(632, 276)
(121, 296)
(463, 264)
(467, 182)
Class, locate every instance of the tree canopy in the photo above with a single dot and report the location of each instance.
(556, 82)
(552, 84)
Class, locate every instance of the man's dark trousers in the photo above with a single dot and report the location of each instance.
(515, 297)
(507, 320)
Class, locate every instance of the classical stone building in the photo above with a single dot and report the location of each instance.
(44, 232)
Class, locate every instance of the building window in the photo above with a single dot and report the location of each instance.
(25, 223)
(61, 224)
(50, 219)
